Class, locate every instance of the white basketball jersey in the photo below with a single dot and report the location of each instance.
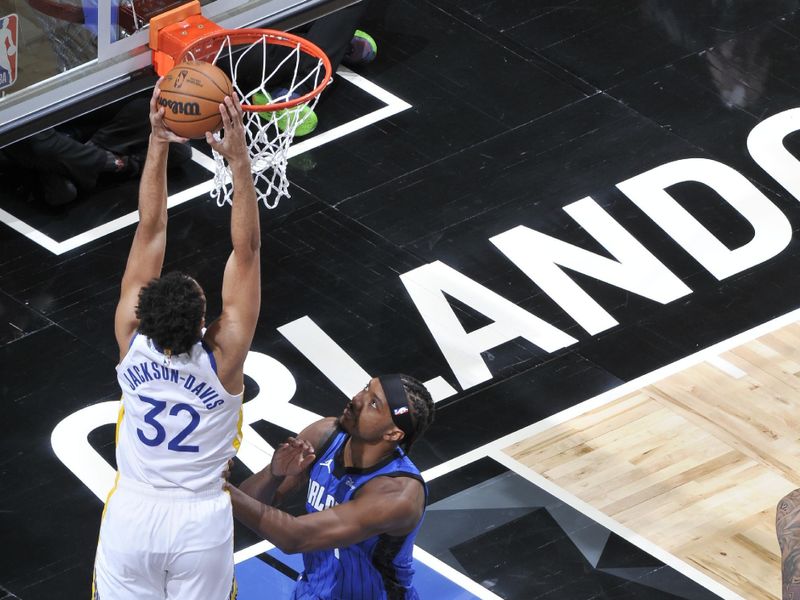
(179, 426)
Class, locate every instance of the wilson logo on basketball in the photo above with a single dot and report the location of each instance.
(180, 108)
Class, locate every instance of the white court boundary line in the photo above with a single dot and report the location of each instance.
(494, 451)
(393, 106)
(454, 575)
(421, 555)
(614, 526)
(608, 396)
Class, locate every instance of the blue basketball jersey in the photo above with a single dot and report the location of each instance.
(378, 567)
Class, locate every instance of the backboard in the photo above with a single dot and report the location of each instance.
(62, 58)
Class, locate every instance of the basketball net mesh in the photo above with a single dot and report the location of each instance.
(269, 134)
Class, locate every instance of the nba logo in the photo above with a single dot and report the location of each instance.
(8, 50)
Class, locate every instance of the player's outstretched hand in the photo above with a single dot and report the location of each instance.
(292, 457)
(160, 131)
(233, 145)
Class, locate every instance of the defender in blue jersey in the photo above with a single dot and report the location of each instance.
(365, 498)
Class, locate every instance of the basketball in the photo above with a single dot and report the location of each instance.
(191, 94)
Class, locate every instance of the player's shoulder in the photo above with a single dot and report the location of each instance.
(320, 432)
(401, 485)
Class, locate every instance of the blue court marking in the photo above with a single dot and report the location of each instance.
(255, 578)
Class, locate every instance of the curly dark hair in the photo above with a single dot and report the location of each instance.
(170, 312)
(422, 408)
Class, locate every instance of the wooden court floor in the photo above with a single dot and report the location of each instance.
(696, 462)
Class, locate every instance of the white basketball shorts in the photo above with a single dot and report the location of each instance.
(159, 544)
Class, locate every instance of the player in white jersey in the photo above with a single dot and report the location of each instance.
(167, 528)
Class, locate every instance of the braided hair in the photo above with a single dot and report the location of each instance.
(170, 312)
(422, 409)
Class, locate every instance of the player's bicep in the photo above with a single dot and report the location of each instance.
(241, 283)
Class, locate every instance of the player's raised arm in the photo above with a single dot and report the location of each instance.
(231, 334)
(146, 256)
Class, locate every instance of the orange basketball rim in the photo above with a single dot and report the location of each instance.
(183, 33)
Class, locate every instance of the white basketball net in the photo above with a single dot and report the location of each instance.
(269, 134)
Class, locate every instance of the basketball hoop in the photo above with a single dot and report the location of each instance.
(291, 66)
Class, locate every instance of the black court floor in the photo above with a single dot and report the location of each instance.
(467, 239)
